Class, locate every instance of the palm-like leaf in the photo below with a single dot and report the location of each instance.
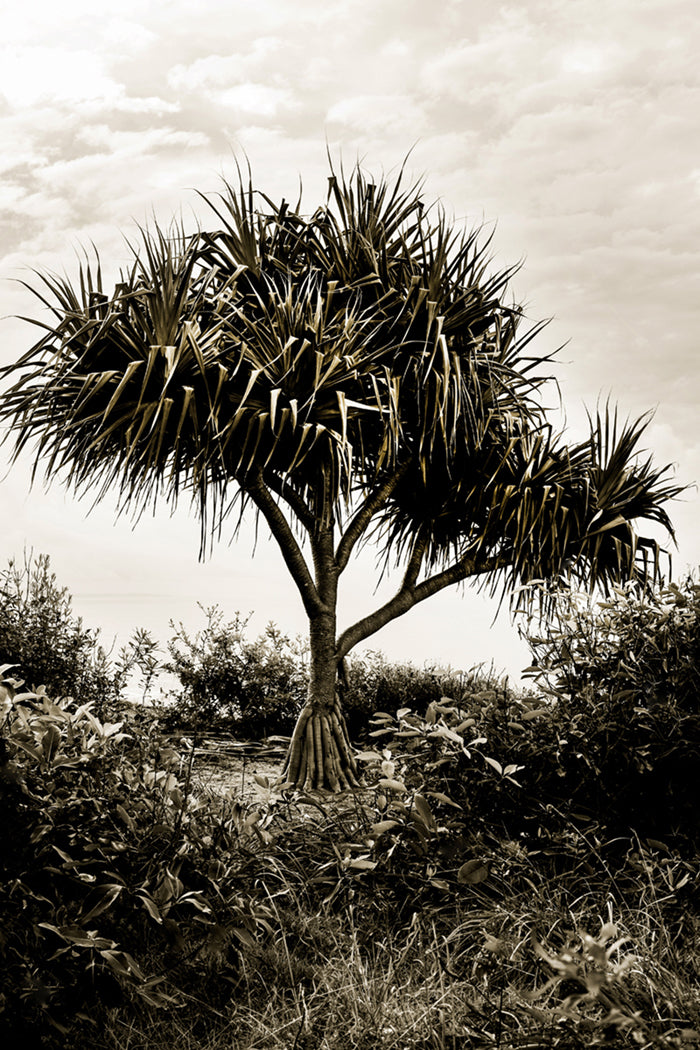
(327, 355)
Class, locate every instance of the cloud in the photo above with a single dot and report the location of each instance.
(123, 36)
(371, 115)
(30, 76)
(35, 77)
(571, 127)
(215, 72)
(130, 143)
(260, 100)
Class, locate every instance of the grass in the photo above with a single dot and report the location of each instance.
(579, 943)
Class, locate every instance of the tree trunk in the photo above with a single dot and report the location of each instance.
(320, 754)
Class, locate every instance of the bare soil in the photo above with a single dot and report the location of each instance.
(223, 766)
(236, 777)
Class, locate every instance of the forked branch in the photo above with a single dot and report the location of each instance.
(291, 552)
(408, 596)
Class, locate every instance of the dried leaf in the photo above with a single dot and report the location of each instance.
(472, 872)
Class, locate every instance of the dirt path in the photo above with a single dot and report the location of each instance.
(226, 767)
(236, 777)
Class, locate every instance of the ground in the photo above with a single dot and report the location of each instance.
(222, 765)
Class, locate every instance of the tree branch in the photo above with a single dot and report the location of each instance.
(293, 500)
(364, 515)
(408, 596)
(415, 561)
(291, 552)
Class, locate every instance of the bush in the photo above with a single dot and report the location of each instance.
(117, 887)
(645, 645)
(254, 688)
(43, 640)
(258, 687)
(610, 740)
(624, 677)
(468, 754)
(377, 684)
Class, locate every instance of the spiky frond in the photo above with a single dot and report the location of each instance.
(365, 348)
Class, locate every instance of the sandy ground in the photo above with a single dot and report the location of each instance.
(236, 776)
(228, 768)
(224, 766)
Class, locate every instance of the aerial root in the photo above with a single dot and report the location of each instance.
(320, 754)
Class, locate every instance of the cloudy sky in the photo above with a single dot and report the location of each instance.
(572, 126)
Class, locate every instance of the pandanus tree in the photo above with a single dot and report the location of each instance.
(352, 374)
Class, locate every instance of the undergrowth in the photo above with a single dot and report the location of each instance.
(518, 870)
(139, 912)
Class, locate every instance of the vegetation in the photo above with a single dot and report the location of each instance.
(45, 643)
(253, 688)
(518, 870)
(258, 687)
(644, 646)
(351, 373)
(104, 870)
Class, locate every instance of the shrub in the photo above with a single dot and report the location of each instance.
(527, 765)
(117, 886)
(460, 754)
(258, 687)
(375, 683)
(254, 687)
(624, 676)
(645, 644)
(44, 641)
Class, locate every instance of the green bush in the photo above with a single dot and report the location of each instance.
(464, 755)
(118, 887)
(624, 677)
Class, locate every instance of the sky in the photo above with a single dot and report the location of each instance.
(569, 128)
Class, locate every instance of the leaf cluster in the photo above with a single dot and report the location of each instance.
(520, 763)
(114, 893)
(644, 645)
(360, 360)
(376, 683)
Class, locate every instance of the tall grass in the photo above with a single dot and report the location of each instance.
(520, 959)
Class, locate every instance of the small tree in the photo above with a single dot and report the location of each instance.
(347, 374)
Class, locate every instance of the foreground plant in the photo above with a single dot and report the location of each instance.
(354, 373)
(112, 893)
